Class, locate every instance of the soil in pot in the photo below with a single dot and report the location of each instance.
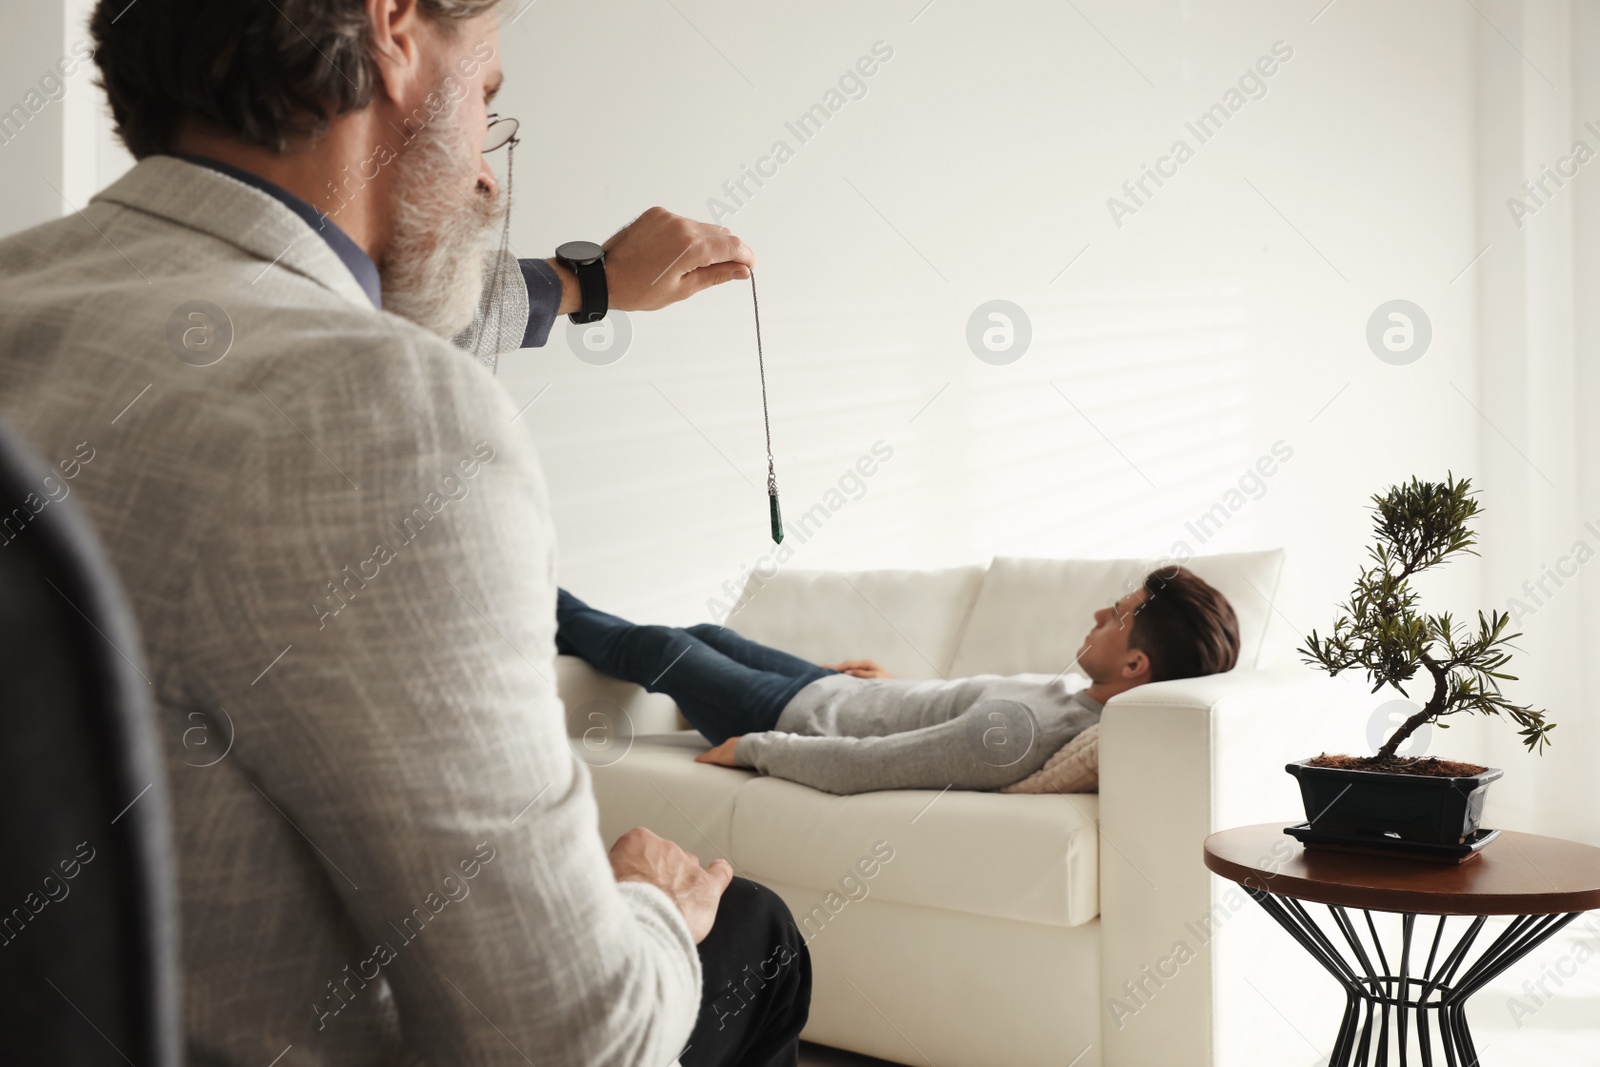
(1431, 766)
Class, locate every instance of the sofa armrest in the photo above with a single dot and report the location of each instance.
(604, 710)
(1178, 761)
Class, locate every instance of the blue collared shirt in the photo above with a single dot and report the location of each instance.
(544, 286)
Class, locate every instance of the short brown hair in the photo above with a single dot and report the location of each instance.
(1185, 626)
(270, 72)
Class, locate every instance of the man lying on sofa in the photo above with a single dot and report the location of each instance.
(851, 728)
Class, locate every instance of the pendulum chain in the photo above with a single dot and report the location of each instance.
(772, 476)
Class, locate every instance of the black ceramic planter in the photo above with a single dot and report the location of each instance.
(1412, 807)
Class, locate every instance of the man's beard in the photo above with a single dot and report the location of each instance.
(433, 271)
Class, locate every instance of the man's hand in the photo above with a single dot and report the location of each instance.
(859, 668)
(722, 755)
(641, 856)
(661, 258)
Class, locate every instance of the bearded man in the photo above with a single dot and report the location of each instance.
(336, 539)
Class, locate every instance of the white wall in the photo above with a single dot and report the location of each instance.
(1220, 318)
(30, 140)
(57, 148)
(1538, 387)
(1227, 314)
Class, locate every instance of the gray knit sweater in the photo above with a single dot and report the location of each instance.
(855, 735)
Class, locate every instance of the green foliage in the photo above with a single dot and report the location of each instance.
(1421, 525)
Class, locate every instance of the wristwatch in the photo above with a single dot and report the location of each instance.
(588, 261)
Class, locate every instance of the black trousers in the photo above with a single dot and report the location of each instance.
(757, 984)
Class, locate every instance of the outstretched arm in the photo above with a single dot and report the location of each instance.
(658, 259)
(970, 751)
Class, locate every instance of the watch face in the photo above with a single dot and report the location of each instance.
(580, 251)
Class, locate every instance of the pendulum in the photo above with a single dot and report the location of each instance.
(772, 477)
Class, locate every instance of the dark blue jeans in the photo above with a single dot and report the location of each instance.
(725, 685)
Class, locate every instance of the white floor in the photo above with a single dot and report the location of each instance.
(1516, 1022)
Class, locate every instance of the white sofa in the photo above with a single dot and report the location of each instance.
(1006, 929)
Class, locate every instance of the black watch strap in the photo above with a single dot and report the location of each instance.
(587, 260)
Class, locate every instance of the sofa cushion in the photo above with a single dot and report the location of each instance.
(1029, 858)
(657, 784)
(1031, 615)
(909, 621)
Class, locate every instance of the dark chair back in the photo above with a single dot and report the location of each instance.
(88, 931)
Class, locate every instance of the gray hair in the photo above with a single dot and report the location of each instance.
(270, 72)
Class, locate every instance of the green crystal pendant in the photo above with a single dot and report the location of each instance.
(777, 518)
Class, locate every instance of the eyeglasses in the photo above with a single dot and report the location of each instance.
(501, 132)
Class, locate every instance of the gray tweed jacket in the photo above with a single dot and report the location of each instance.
(338, 546)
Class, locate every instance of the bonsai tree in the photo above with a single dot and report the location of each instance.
(1381, 630)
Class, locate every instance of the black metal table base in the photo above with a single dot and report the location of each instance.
(1429, 1001)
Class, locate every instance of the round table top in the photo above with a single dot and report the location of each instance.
(1515, 874)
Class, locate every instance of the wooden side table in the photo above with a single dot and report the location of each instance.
(1542, 881)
